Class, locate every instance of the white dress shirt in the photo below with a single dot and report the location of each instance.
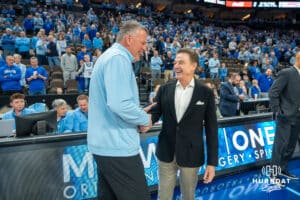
(298, 70)
(183, 97)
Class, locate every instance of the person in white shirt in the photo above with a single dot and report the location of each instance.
(86, 70)
(61, 45)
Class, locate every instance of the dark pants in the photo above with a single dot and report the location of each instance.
(287, 133)
(11, 92)
(121, 178)
(42, 59)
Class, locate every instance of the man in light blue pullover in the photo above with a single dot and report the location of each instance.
(80, 115)
(115, 116)
(64, 117)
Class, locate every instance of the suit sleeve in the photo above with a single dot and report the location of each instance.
(226, 94)
(211, 131)
(156, 110)
(276, 89)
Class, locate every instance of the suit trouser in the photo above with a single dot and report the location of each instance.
(188, 179)
(121, 178)
(287, 133)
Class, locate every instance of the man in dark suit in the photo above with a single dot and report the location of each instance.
(285, 103)
(187, 107)
(229, 96)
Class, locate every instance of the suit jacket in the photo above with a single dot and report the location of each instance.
(184, 140)
(284, 94)
(228, 100)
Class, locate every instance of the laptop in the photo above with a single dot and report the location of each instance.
(7, 128)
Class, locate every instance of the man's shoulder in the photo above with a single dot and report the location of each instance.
(113, 52)
(287, 71)
(170, 83)
(225, 84)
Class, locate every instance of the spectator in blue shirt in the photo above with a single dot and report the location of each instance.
(80, 115)
(28, 24)
(82, 53)
(48, 25)
(223, 72)
(10, 76)
(254, 90)
(76, 33)
(64, 117)
(82, 33)
(17, 102)
(214, 65)
(254, 70)
(23, 45)
(4, 11)
(41, 50)
(265, 82)
(155, 64)
(11, 11)
(97, 42)
(17, 28)
(69, 4)
(38, 22)
(8, 41)
(92, 32)
(87, 42)
(9, 18)
(36, 77)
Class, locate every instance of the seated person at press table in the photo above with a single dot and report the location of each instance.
(17, 102)
(80, 115)
(64, 117)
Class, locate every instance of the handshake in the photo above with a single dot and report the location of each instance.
(142, 128)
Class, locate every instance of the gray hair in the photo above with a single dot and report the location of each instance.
(129, 27)
(58, 102)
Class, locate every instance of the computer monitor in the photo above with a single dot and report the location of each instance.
(36, 124)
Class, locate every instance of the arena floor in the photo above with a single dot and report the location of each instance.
(248, 186)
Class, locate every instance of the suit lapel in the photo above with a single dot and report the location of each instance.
(192, 102)
(231, 87)
(172, 99)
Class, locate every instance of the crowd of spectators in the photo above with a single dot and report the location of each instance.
(50, 35)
